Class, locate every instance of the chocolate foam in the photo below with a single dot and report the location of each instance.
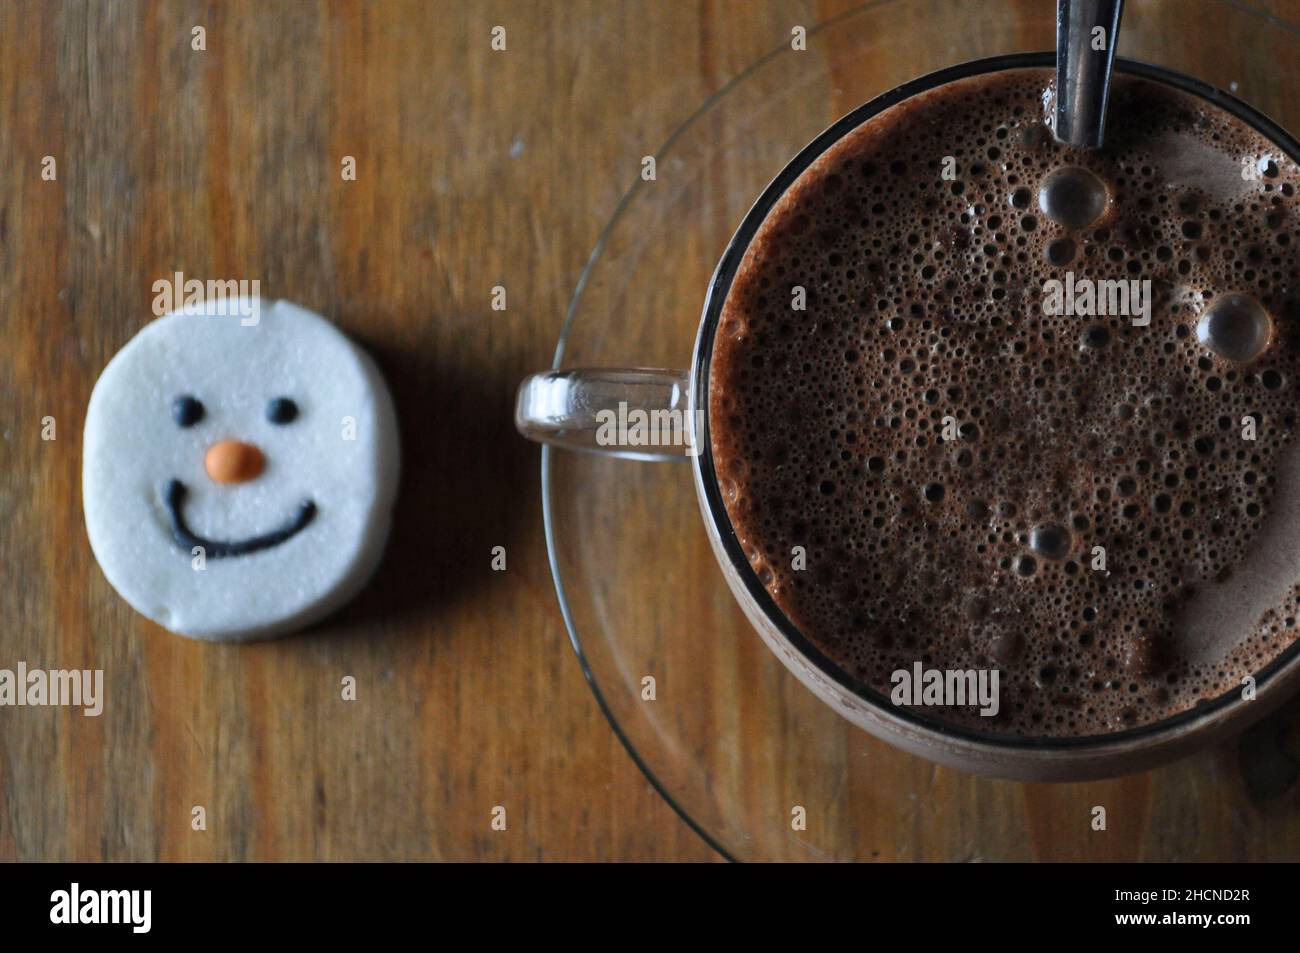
(924, 307)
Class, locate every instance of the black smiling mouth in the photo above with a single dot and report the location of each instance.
(174, 496)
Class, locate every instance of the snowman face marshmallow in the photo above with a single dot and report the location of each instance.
(238, 479)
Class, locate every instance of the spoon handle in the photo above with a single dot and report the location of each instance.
(1084, 57)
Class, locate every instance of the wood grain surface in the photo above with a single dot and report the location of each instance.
(475, 169)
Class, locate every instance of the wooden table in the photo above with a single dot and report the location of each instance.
(475, 168)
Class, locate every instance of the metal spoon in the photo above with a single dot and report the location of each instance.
(1083, 69)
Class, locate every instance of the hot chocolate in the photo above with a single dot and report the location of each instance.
(979, 400)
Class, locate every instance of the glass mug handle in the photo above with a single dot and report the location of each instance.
(639, 413)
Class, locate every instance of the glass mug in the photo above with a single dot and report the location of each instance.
(577, 408)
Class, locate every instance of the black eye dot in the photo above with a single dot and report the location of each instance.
(282, 410)
(186, 411)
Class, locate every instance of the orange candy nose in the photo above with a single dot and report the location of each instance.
(231, 461)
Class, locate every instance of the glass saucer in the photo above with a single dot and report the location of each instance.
(756, 764)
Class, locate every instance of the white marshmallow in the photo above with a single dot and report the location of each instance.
(328, 484)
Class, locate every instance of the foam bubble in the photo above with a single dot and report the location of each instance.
(1050, 541)
(1072, 197)
(1235, 327)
